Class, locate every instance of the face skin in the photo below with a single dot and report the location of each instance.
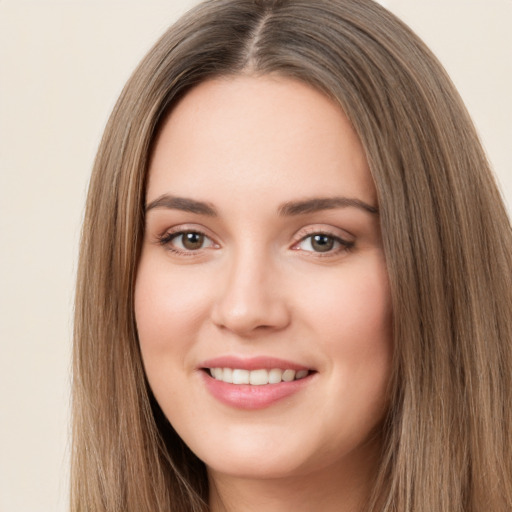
(247, 275)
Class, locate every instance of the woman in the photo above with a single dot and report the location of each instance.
(295, 284)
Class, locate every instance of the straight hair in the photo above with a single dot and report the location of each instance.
(447, 437)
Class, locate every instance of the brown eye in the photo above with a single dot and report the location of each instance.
(183, 242)
(322, 243)
(192, 241)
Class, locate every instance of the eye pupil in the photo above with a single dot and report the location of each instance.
(192, 241)
(322, 243)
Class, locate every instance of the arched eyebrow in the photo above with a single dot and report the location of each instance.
(290, 208)
(183, 203)
(317, 204)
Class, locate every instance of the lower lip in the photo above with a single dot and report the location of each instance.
(246, 396)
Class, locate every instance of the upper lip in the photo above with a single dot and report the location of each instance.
(252, 363)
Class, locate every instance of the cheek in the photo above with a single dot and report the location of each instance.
(355, 306)
(166, 305)
(352, 316)
(169, 307)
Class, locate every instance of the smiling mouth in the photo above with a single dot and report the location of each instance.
(259, 377)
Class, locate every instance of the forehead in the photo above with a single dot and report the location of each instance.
(270, 134)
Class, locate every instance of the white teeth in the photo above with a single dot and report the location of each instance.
(240, 376)
(288, 375)
(274, 376)
(257, 377)
(227, 375)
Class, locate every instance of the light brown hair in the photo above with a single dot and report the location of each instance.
(447, 240)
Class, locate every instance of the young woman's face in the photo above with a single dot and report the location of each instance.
(262, 262)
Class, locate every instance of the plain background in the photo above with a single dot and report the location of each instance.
(62, 65)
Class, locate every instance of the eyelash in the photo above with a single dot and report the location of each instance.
(343, 245)
(166, 239)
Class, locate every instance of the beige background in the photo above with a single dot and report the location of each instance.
(62, 65)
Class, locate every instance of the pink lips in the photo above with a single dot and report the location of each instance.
(246, 396)
(253, 363)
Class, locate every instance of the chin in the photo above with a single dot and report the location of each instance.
(252, 455)
(257, 466)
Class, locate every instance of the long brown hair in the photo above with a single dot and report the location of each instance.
(447, 241)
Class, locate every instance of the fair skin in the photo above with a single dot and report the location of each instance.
(271, 259)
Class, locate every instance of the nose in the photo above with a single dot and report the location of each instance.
(251, 299)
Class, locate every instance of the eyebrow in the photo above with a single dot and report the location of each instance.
(290, 208)
(184, 204)
(324, 203)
